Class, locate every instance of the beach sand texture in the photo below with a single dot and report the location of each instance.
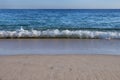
(60, 67)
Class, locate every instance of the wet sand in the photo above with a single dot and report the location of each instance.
(59, 46)
(60, 67)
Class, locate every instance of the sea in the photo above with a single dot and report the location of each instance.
(56, 31)
(60, 23)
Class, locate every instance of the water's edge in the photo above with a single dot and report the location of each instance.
(59, 46)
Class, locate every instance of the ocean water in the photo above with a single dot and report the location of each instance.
(62, 23)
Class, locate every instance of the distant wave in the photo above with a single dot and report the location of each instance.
(81, 34)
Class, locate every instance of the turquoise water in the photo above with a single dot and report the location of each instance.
(62, 23)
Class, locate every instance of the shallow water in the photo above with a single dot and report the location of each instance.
(59, 46)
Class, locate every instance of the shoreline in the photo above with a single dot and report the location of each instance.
(58, 46)
(17, 55)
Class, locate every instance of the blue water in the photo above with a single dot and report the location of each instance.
(62, 23)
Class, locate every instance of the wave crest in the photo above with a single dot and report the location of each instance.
(81, 34)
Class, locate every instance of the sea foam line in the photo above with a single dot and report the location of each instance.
(82, 34)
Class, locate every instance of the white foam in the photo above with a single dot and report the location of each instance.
(57, 33)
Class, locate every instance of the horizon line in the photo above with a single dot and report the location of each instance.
(59, 8)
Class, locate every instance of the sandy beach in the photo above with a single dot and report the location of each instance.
(60, 67)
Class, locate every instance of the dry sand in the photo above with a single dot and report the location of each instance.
(60, 67)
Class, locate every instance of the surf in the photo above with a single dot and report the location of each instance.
(56, 33)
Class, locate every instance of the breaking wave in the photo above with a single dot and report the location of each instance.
(81, 34)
